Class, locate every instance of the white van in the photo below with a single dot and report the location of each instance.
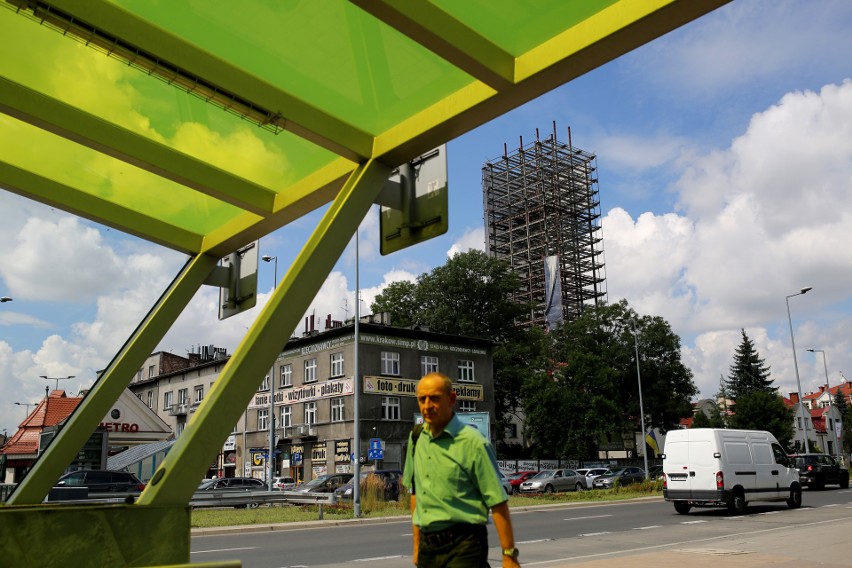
(705, 467)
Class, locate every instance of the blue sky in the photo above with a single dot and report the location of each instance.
(725, 164)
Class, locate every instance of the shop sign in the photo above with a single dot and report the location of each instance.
(319, 452)
(408, 387)
(342, 451)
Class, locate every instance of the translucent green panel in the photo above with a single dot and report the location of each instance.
(518, 26)
(93, 173)
(327, 53)
(81, 76)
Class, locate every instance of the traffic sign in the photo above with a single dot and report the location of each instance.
(378, 454)
(375, 443)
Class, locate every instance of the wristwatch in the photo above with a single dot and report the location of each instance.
(513, 552)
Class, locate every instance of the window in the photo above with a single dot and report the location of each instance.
(199, 393)
(183, 395)
(263, 419)
(467, 406)
(428, 364)
(337, 364)
(511, 430)
(181, 426)
(337, 409)
(390, 408)
(150, 399)
(286, 416)
(390, 363)
(466, 371)
(139, 375)
(167, 400)
(286, 375)
(310, 412)
(150, 371)
(264, 384)
(310, 370)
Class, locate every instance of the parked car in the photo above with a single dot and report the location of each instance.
(102, 481)
(283, 483)
(621, 475)
(324, 483)
(655, 471)
(504, 481)
(232, 484)
(589, 474)
(519, 477)
(551, 480)
(818, 470)
(390, 477)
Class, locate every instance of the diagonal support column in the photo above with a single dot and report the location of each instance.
(112, 383)
(177, 478)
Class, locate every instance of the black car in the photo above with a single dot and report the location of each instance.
(818, 470)
(102, 481)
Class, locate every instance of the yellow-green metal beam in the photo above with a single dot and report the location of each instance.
(447, 37)
(299, 116)
(62, 119)
(88, 206)
(106, 390)
(83, 536)
(177, 477)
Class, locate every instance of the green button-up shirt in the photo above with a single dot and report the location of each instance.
(455, 477)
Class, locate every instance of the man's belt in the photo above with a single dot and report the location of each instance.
(451, 534)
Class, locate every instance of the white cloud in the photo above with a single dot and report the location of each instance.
(472, 239)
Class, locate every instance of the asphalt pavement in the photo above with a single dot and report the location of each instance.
(764, 541)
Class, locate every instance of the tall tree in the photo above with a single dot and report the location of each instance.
(593, 391)
(749, 372)
(399, 299)
(761, 410)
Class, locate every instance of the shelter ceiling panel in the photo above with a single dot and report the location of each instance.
(85, 171)
(107, 88)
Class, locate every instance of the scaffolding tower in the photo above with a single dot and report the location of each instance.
(542, 216)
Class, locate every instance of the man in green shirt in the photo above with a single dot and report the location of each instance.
(451, 472)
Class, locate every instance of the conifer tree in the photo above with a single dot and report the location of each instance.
(749, 373)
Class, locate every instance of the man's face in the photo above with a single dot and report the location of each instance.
(436, 405)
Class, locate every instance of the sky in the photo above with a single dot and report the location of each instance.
(724, 154)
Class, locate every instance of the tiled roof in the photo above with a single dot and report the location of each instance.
(50, 411)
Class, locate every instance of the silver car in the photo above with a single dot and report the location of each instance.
(551, 480)
(589, 474)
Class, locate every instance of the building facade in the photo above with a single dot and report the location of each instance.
(310, 393)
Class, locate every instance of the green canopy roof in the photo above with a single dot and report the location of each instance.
(205, 125)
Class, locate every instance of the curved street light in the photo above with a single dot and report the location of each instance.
(271, 456)
(802, 291)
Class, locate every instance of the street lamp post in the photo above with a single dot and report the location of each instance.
(270, 459)
(804, 290)
(27, 405)
(57, 379)
(827, 386)
(641, 407)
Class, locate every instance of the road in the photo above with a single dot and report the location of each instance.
(550, 536)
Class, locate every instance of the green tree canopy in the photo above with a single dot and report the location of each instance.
(761, 410)
(749, 372)
(590, 389)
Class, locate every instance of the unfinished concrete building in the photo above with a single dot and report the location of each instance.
(542, 215)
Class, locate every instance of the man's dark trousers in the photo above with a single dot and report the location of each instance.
(460, 546)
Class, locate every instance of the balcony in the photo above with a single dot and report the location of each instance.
(302, 431)
(178, 410)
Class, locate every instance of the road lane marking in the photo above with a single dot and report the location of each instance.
(535, 541)
(375, 558)
(595, 534)
(693, 522)
(584, 518)
(646, 528)
(222, 550)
